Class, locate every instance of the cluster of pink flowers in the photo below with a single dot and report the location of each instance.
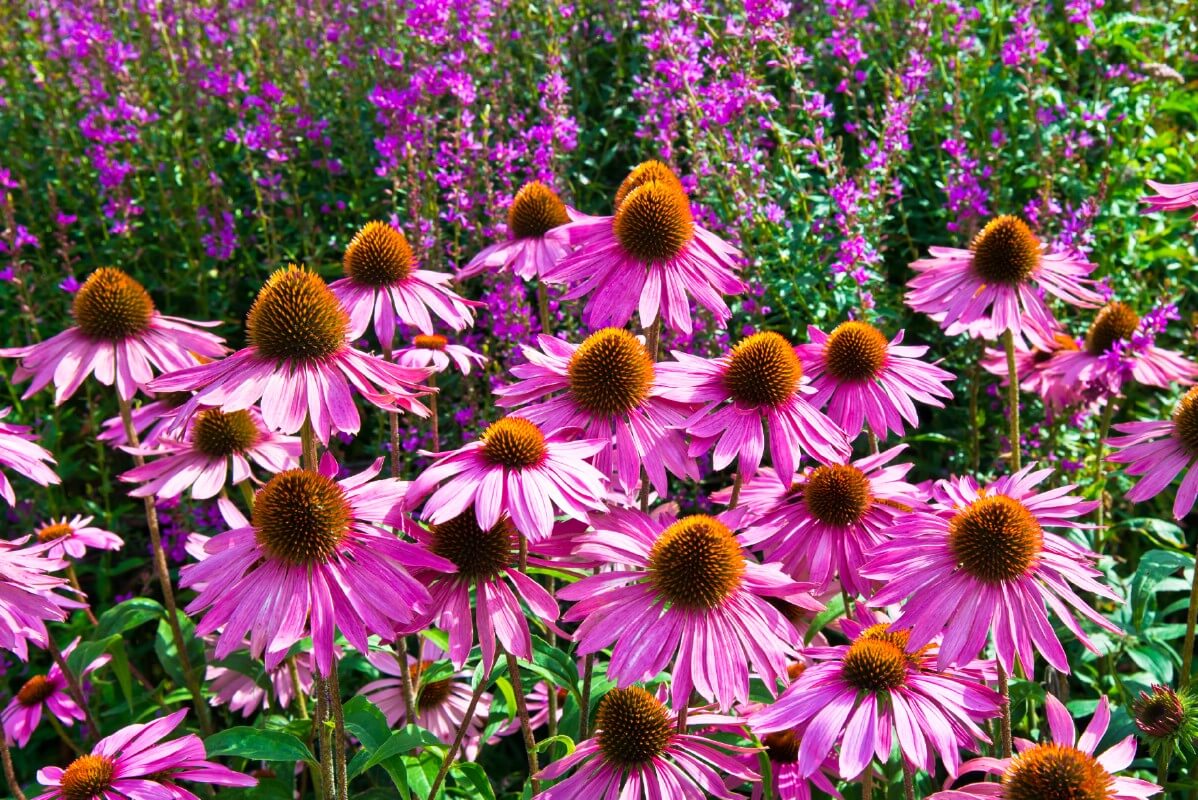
(946, 586)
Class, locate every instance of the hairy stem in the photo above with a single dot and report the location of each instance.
(458, 738)
(530, 743)
(1005, 690)
(1008, 340)
(10, 775)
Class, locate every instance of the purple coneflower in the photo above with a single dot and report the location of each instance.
(1063, 767)
(981, 562)
(993, 286)
(513, 469)
(435, 352)
(606, 387)
(134, 764)
(759, 386)
(20, 452)
(28, 595)
(118, 335)
(75, 536)
(864, 378)
(530, 251)
(1157, 452)
(47, 692)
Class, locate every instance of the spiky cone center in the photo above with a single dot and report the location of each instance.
(112, 306)
(875, 665)
(296, 317)
(1114, 322)
(35, 691)
(429, 694)
(763, 370)
(696, 563)
(1185, 421)
(87, 777)
(479, 555)
(654, 222)
(513, 442)
(219, 434)
(782, 746)
(855, 351)
(301, 517)
(1159, 715)
(1005, 252)
(644, 172)
(1056, 772)
(996, 539)
(610, 373)
(54, 531)
(535, 210)
(633, 727)
(378, 255)
(430, 341)
(837, 494)
(901, 639)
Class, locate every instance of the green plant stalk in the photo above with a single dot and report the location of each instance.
(1187, 659)
(10, 774)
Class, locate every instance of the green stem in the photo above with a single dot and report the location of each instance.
(452, 752)
(1104, 427)
(867, 782)
(1187, 659)
(300, 698)
(247, 494)
(1008, 340)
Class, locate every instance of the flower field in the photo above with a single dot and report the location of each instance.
(615, 400)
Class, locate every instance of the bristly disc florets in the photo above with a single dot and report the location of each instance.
(536, 209)
(297, 317)
(837, 494)
(1114, 322)
(379, 255)
(875, 664)
(111, 305)
(219, 434)
(429, 694)
(696, 563)
(301, 517)
(1006, 252)
(87, 777)
(610, 373)
(644, 172)
(855, 351)
(996, 539)
(654, 222)
(1185, 421)
(35, 691)
(763, 370)
(783, 746)
(479, 555)
(513, 442)
(430, 341)
(57, 530)
(633, 727)
(1056, 772)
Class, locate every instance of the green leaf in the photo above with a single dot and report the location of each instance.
(128, 615)
(258, 745)
(476, 777)
(168, 656)
(403, 741)
(365, 721)
(87, 652)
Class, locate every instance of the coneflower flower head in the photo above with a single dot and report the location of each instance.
(1167, 720)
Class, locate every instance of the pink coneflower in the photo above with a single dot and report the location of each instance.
(299, 364)
(1064, 767)
(200, 461)
(993, 286)
(118, 335)
(876, 691)
(312, 559)
(486, 561)
(1033, 368)
(981, 563)
(638, 753)
(529, 252)
(436, 353)
(833, 516)
(782, 749)
(45, 692)
(134, 765)
(441, 703)
(682, 590)
(244, 695)
(758, 496)
(1120, 346)
(650, 258)
(382, 282)
(513, 469)
(28, 595)
(758, 386)
(1172, 197)
(1157, 452)
(73, 537)
(20, 452)
(607, 388)
(862, 377)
